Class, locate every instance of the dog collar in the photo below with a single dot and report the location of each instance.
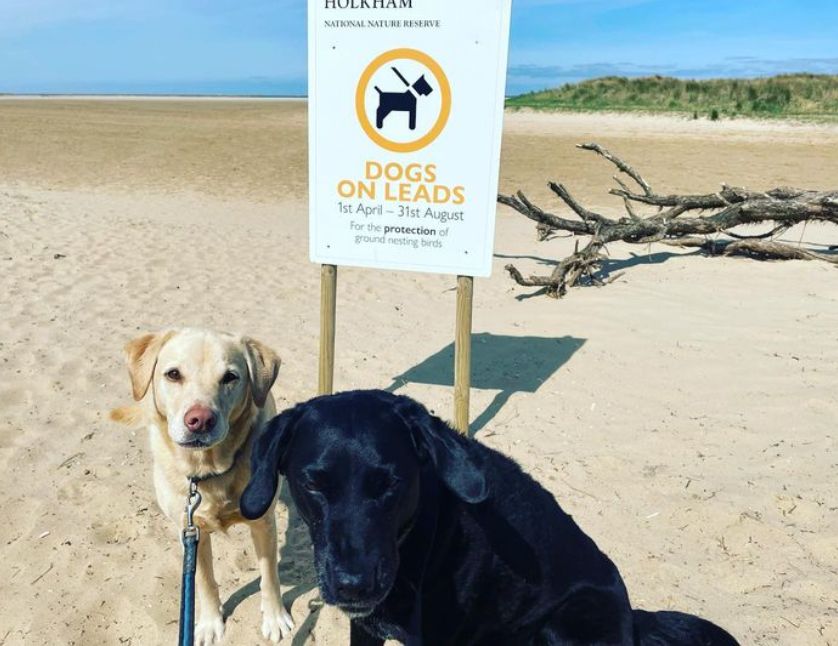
(213, 476)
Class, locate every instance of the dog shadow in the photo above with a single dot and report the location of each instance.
(509, 364)
(295, 569)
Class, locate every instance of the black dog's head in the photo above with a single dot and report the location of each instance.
(422, 86)
(353, 463)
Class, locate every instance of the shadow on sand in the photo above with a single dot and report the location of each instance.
(509, 364)
(609, 267)
(295, 569)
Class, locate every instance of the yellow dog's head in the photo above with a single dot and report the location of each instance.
(199, 381)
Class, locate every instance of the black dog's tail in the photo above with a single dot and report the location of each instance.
(378, 89)
(676, 628)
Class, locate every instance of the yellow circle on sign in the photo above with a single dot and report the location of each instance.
(361, 107)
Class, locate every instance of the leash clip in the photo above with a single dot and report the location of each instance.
(193, 501)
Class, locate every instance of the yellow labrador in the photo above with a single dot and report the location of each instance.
(204, 395)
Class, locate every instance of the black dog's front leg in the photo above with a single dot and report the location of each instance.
(358, 636)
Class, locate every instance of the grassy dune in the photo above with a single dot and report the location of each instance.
(803, 96)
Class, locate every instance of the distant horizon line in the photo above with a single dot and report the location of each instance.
(516, 88)
(147, 95)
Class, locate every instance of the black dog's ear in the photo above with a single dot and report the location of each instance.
(265, 460)
(455, 457)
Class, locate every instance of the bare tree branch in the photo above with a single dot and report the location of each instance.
(676, 225)
(577, 208)
(619, 163)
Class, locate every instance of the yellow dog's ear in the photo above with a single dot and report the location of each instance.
(263, 365)
(141, 357)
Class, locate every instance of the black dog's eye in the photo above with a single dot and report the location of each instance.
(314, 482)
(379, 483)
(229, 378)
(174, 375)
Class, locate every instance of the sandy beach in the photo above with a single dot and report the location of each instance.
(684, 415)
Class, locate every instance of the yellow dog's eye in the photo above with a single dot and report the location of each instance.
(229, 378)
(174, 375)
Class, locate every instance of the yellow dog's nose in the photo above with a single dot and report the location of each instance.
(199, 419)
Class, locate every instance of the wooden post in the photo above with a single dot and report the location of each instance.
(462, 351)
(328, 313)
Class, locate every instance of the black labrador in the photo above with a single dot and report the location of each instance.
(427, 537)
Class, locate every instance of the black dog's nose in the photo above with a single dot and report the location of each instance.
(354, 587)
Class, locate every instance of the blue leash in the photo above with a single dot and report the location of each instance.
(191, 537)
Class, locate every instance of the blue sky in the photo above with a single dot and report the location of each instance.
(258, 46)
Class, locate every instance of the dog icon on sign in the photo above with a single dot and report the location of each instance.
(406, 113)
(407, 101)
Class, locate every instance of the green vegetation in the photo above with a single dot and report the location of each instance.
(802, 96)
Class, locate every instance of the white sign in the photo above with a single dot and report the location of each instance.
(405, 120)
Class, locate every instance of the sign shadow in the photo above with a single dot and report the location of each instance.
(509, 364)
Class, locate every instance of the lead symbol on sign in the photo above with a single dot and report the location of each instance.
(389, 102)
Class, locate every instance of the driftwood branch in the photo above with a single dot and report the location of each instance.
(619, 163)
(680, 220)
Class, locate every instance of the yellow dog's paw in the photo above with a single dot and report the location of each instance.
(276, 624)
(209, 631)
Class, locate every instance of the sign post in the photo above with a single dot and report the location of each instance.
(462, 353)
(406, 105)
(328, 324)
